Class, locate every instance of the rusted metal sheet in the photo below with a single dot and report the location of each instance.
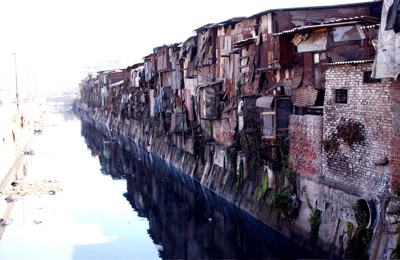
(308, 69)
(283, 21)
(188, 97)
(285, 51)
(224, 130)
(209, 100)
(307, 17)
(205, 44)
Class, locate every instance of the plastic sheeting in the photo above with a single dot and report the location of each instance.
(387, 60)
(348, 33)
(265, 102)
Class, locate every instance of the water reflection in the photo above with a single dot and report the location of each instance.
(186, 220)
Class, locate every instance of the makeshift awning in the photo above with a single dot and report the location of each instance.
(304, 96)
(265, 102)
(210, 84)
(245, 42)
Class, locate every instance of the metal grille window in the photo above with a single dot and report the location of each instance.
(341, 96)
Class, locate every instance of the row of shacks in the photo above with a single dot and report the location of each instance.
(243, 76)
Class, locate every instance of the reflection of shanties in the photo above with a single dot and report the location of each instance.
(186, 220)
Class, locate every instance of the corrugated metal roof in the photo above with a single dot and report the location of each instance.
(245, 42)
(347, 62)
(265, 102)
(317, 7)
(364, 19)
(311, 27)
(370, 26)
(231, 21)
(304, 96)
(205, 27)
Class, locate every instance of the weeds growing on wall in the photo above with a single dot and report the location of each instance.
(351, 132)
(331, 145)
(315, 221)
(359, 243)
(284, 200)
(315, 217)
(262, 189)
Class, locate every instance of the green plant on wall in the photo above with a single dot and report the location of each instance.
(315, 221)
(350, 227)
(351, 132)
(359, 243)
(331, 145)
(282, 201)
(262, 189)
(315, 217)
(254, 146)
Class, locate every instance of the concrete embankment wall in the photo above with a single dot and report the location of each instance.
(289, 216)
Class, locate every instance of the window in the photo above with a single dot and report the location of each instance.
(268, 124)
(316, 57)
(367, 78)
(341, 96)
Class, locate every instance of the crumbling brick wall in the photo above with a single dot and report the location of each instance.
(394, 152)
(305, 133)
(361, 169)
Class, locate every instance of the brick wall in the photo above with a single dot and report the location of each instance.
(361, 169)
(305, 133)
(394, 152)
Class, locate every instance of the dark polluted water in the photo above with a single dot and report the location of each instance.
(120, 202)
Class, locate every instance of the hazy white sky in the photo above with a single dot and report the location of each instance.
(56, 41)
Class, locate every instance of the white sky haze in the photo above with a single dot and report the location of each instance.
(57, 41)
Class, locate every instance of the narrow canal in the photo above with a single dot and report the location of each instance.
(112, 200)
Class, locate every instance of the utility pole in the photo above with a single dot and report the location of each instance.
(16, 81)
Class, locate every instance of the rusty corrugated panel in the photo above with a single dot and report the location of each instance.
(305, 17)
(285, 51)
(263, 49)
(298, 76)
(308, 69)
(304, 96)
(348, 62)
(283, 21)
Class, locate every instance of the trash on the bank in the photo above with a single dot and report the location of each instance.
(23, 188)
